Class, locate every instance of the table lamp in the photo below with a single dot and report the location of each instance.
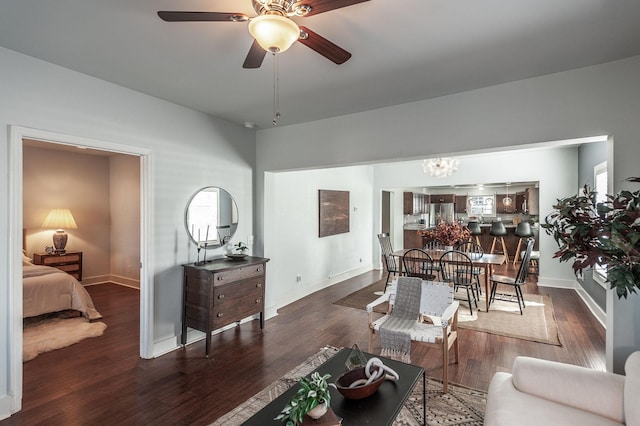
(59, 219)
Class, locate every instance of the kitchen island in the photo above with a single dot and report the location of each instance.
(414, 239)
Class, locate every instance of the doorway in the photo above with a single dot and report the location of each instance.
(16, 137)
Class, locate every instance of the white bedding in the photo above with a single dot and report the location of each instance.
(46, 289)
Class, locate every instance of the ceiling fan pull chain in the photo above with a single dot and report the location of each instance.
(276, 91)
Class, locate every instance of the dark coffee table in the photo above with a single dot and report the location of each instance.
(381, 408)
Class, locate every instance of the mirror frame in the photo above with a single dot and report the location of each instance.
(217, 241)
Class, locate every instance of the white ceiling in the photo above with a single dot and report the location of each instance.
(403, 51)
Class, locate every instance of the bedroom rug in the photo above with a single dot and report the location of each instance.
(537, 324)
(47, 333)
(461, 406)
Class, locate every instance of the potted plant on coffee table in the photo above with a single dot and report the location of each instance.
(605, 234)
(313, 399)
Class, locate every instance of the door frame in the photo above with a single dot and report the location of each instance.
(16, 136)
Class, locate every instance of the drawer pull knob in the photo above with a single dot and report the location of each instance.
(259, 285)
(259, 269)
(220, 315)
(220, 277)
(257, 300)
(221, 296)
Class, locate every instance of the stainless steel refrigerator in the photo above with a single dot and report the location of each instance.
(441, 211)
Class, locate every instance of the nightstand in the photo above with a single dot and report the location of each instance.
(69, 262)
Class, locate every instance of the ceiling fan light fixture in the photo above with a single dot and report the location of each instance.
(274, 33)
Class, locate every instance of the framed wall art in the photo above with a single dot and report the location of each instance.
(333, 212)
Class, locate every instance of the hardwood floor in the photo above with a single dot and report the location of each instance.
(103, 381)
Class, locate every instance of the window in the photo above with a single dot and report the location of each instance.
(600, 184)
(481, 205)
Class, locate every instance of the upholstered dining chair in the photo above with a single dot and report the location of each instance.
(391, 262)
(434, 324)
(418, 263)
(516, 282)
(457, 269)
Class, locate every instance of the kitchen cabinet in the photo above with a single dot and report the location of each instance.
(443, 198)
(520, 199)
(461, 203)
(533, 202)
(415, 203)
(412, 239)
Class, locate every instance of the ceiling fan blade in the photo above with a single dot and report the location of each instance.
(255, 56)
(171, 16)
(324, 47)
(321, 6)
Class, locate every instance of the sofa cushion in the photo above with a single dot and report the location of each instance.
(508, 406)
(632, 389)
(590, 390)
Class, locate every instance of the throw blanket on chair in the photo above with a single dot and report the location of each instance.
(395, 332)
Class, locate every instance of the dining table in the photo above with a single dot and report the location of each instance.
(487, 261)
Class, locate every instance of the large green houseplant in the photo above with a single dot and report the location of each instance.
(606, 234)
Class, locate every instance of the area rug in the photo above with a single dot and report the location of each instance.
(537, 324)
(461, 406)
(47, 333)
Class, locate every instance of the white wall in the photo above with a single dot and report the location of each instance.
(597, 100)
(292, 241)
(188, 150)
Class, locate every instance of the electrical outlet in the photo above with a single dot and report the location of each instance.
(298, 278)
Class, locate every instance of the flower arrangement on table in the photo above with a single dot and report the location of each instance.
(448, 234)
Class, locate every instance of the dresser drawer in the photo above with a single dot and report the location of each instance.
(227, 292)
(238, 274)
(61, 259)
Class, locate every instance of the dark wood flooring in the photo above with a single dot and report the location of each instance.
(103, 381)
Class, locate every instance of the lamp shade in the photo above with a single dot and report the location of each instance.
(59, 219)
(274, 33)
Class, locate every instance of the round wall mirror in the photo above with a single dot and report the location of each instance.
(211, 217)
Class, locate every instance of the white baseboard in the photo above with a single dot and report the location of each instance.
(596, 311)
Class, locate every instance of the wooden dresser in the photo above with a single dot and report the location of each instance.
(70, 262)
(220, 292)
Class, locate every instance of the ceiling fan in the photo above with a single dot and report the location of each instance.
(273, 29)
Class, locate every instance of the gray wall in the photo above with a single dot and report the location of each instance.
(589, 156)
(187, 150)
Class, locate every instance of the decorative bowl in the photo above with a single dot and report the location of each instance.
(236, 256)
(357, 392)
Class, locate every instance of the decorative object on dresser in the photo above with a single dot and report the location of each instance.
(69, 262)
(59, 219)
(219, 292)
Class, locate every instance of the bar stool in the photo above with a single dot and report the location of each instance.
(523, 231)
(476, 231)
(499, 231)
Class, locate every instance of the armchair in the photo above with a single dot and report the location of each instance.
(436, 321)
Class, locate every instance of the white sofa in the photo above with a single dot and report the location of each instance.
(540, 392)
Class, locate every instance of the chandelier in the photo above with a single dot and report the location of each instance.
(440, 167)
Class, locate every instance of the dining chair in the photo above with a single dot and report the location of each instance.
(516, 282)
(475, 251)
(457, 268)
(391, 262)
(418, 263)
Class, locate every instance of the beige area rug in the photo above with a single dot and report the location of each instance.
(47, 333)
(537, 324)
(461, 406)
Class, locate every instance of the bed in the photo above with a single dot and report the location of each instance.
(46, 290)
